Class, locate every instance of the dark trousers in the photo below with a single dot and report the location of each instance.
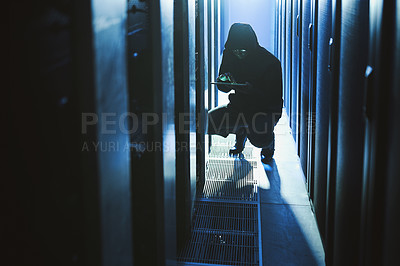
(257, 126)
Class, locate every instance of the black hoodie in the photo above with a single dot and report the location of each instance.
(260, 68)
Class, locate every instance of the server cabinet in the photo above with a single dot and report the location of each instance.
(216, 16)
(288, 59)
(285, 92)
(280, 39)
(334, 67)
(43, 218)
(276, 39)
(210, 67)
(323, 87)
(212, 40)
(72, 182)
(110, 96)
(211, 70)
(185, 116)
(313, 41)
(305, 82)
(296, 63)
(151, 82)
(391, 217)
(381, 116)
(162, 19)
(279, 29)
(353, 60)
(202, 86)
(280, 32)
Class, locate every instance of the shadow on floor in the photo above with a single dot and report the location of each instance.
(289, 233)
(239, 183)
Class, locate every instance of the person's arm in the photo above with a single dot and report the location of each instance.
(249, 89)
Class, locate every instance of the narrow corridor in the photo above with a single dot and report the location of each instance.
(108, 156)
(241, 192)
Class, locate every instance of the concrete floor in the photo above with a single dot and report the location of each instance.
(289, 231)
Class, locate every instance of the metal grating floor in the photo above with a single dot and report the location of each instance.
(228, 190)
(222, 248)
(230, 179)
(225, 226)
(233, 217)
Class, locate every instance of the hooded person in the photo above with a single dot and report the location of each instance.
(255, 106)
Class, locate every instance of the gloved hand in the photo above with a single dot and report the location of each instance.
(226, 77)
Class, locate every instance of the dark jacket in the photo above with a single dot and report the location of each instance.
(260, 68)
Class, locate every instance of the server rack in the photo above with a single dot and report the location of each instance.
(305, 82)
(152, 96)
(334, 63)
(296, 62)
(323, 87)
(288, 60)
(350, 177)
(354, 52)
(380, 116)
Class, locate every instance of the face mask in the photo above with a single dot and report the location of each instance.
(240, 53)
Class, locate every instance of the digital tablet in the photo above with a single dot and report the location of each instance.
(230, 84)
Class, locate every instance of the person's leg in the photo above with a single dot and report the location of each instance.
(261, 134)
(241, 137)
(223, 120)
(218, 121)
(268, 152)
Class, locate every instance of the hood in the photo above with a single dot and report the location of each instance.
(241, 36)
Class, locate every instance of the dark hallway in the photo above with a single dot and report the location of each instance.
(109, 159)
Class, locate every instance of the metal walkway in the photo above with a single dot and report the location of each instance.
(226, 221)
(244, 201)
